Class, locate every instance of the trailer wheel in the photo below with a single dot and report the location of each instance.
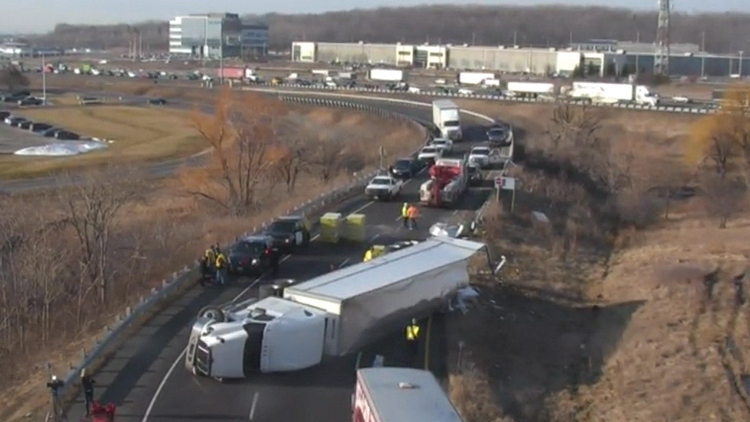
(212, 312)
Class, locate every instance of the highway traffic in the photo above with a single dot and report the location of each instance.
(146, 377)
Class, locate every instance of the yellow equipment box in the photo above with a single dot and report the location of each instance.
(355, 228)
(378, 250)
(331, 225)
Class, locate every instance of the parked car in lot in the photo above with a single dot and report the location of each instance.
(4, 115)
(65, 135)
(40, 127)
(31, 101)
(25, 125)
(253, 255)
(289, 232)
(14, 121)
(51, 132)
(157, 101)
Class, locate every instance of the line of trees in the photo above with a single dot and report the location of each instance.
(552, 25)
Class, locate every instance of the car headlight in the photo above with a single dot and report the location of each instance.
(287, 240)
(255, 261)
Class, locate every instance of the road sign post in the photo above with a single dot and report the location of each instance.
(507, 183)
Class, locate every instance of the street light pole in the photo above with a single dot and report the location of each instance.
(44, 80)
(740, 69)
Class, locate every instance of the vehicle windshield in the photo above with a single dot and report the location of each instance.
(497, 133)
(248, 248)
(381, 181)
(451, 123)
(439, 142)
(402, 164)
(480, 151)
(428, 150)
(281, 227)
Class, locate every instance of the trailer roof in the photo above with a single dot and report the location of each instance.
(388, 269)
(426, 401)
(444, 103)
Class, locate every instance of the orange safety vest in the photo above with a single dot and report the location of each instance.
(412, 212)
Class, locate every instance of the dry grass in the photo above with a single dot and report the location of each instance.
(583, 326)
(167, 217)
(138, 135)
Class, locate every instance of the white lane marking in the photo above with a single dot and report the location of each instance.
(161, 386)
(358, 210)
(252, 407)
(374, 237)
(344, 263)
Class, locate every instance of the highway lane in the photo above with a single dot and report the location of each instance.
(139, 368)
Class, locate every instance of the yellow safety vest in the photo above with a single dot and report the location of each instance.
(368, 255)
(412, 332)
(210, 255)
(404, 210)
(220, 260)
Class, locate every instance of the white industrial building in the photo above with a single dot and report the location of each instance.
(603, 57)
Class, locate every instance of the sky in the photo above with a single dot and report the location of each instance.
(33, 16)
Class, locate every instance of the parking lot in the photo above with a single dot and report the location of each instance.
(12, 139)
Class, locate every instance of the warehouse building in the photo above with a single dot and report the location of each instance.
(216, 35)
(602, 57)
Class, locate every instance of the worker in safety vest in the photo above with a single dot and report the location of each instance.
(412, 339)
(404, 214)
(368, 255)
(412, 213)
(221, 267)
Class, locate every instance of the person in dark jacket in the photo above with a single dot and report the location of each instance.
(87, 385)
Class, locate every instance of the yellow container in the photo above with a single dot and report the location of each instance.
(355, 228)
(331, 227)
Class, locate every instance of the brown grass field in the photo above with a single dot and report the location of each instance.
(580, 331)
(166, 216)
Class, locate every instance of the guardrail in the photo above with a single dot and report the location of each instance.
(693, 109)
(171, 288)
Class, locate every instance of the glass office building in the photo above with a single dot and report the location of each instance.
(214, 36)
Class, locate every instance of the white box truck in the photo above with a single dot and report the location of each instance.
(446, 116)
(332, 315)
(474, 78)
(531, 89)
(387, 394)
(387, 75)
(610, 93)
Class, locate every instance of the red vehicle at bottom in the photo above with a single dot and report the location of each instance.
(101, 413)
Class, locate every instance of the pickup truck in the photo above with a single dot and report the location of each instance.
(384, 187)
(443, 144)
(429, 154)
(485, 157)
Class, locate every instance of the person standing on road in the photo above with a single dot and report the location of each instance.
(368, 255)
(221, 270)
(412, 339)
(412, 213)
(87, 385)
(405, 214)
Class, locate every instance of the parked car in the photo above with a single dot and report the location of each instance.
(14, 121)
(40, 127)
(406, 168)
(51, 132)
(65, 135)
(25, 125)
(157, 101)
(253, 255)
(4, 115)
(289, 232)
(31, 101)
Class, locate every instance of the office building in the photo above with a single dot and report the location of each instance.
(216, 35)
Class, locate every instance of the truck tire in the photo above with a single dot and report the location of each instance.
(213, 313)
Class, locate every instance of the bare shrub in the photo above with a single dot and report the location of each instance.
(723, 199)
(471, 394)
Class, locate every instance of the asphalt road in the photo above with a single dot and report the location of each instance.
(147, 379)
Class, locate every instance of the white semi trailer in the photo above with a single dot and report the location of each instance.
(446, 116)
(331, 315)
(610, 93)
(387, 75)
(474, 78)
(531, 89)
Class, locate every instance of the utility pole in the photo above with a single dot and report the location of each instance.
(703, 54)
(44, 80)
(140, 45)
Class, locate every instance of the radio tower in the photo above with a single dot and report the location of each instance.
(661, 60)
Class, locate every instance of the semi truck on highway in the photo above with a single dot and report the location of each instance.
(610, 93)
(531, 89)
(446, 116)
(449, 180)
(384, 394)
(328, 316)
(474, 78)
(387, 75)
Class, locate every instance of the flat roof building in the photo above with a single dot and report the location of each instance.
(217, 35)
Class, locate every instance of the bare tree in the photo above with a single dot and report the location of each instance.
(723, 198)
(294, 160)
(92, 208)
(243, 136)
(12, 77)
(327, 157)
(573, 126)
